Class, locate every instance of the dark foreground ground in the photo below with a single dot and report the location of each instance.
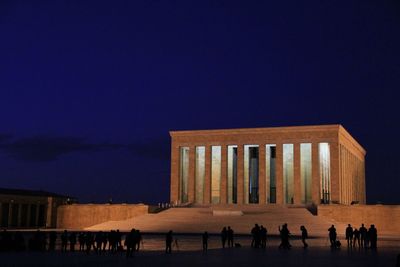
(189, 254)
(244, 256)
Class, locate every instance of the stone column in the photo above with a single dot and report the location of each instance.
(10, 209)
(191, 182)
(37, 214)
(49, 212)
(207, 178)
(224, 184)
(315, 183)
(174, 179)
(297, 181)
(19, 215)
(240, 178)
(334, 153)
(279, 173)
(261, 175)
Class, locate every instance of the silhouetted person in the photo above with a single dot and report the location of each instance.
(356, 237)
(118, 238)
(72, 241)
(130, 244)
(255, 233)
(230, 236)
(88, 241)
(138, 239)
(284, 234)
(105, 241)
(263, 236)
(363, 235)
(332, 236)
(168, 242)
(304, 236)
(99, 241)
(205, 241)
(81, 240)
(111, 241)
(224, 236)
(52, 240)
(64, 241)
(349, 235)
(373, 236)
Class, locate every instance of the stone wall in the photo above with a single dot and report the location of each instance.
(79, 216)
(385, 217)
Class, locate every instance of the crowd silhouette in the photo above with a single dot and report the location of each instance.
(111, 242)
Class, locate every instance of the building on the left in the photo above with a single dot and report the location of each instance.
(21, 208)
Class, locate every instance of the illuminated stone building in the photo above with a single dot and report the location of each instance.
(21, 208)
(282, 165)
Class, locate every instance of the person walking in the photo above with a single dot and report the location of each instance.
(304, 236)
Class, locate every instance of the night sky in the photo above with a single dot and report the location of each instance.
(90, 89)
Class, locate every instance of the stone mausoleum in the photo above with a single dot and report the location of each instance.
(301, 165)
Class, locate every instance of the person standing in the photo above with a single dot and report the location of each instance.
(356, 238)
(304, 236)
(130, 243)
(230, 237)
(205, 241)
(72, 241)
(64, 241)
(263, 236)
(332, 236)
(363, 235)
(373, 236)
(168, 242)
(349, 235)
(284, 234)
(52, 240)
(224, 236)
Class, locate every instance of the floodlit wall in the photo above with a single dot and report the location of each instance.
(385, 217)
(79, 216)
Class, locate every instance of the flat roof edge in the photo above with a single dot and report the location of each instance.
(256, 130)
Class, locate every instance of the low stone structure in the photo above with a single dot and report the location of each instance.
(20, 208)
(385, 217)
(79, 216)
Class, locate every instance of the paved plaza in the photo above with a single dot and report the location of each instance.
(190, 254)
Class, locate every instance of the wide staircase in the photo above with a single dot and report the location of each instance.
(241, 218)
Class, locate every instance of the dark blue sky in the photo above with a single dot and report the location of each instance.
(90, 89)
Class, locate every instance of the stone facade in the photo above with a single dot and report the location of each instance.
(386, 218)
(80, 216)
(346, 172)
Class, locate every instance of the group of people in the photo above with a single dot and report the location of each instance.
(258, 236)
(362, 237)
(132, 242)
(111, 241)
(227, 235)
